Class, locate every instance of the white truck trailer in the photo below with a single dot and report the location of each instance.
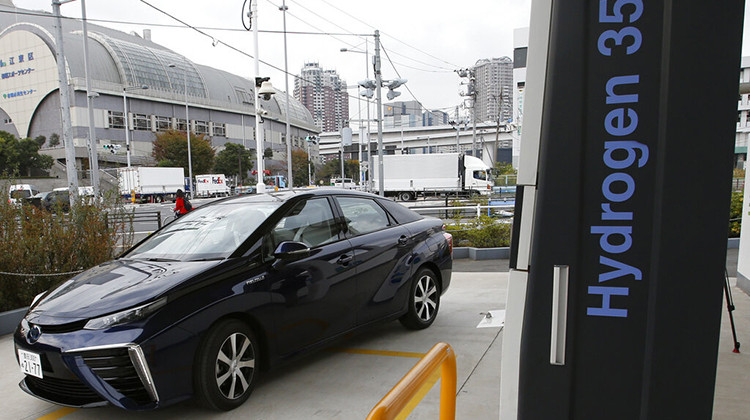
(150, 183)
(410, 176)
(211, 186)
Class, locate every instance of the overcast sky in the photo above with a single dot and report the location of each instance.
(426, 40)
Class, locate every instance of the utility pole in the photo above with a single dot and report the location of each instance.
(70, 151)
(379, 82)
(90, 95)
(290, 180)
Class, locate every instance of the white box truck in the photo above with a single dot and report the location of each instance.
(410, 176)
(211, 186)
(150, 183)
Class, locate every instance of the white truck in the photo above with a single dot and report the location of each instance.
(211, 186)
(410, 176)
(150, 183)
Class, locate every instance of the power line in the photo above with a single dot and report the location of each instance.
(399, 75)
(390, 36)
(167, 25)
(313, 26)
(218, 41)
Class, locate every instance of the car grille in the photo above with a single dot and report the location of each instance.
(115, 367)
(64, 391)
(62, 328)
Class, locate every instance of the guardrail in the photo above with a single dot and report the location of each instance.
(442, 357)
(146, 216)
(461, 211)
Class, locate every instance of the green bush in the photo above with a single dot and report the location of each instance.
(484, 232)
(735, 215)
(36, 245)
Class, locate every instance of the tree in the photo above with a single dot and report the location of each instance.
(268, 153)
(21, 157)
(54, 139)
(332, 169)
(235, 158)
(299, 167)
(503, 174)
(170, 149)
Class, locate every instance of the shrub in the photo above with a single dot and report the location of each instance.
(39, 249)
(485, 232)
(735, 215)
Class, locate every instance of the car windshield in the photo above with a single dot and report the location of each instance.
(212, 232)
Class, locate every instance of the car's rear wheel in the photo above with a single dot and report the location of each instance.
(424, 301)
(227, 366)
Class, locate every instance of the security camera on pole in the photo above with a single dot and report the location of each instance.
(376, 84)
(263, 89)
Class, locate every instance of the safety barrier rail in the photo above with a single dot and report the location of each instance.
(146, 216)
(461, 211)
(442, 357)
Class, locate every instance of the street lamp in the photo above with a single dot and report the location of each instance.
(187, 126)
(125, 115)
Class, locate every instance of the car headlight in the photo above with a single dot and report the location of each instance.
(128, 315)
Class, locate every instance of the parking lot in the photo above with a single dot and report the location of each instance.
(344, 381)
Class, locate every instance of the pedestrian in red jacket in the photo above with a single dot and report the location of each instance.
(180, 208)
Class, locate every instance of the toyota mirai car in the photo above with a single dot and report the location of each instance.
(205, 304)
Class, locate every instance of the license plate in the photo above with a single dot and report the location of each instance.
(31, 363)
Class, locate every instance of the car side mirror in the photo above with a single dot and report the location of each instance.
(291, 251)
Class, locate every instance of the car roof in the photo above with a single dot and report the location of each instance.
(283, 196)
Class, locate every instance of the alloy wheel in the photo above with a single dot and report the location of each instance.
(235, 366)
(425, 298)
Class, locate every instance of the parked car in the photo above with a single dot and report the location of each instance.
(201, 307)
(57, 199)
(19, 192)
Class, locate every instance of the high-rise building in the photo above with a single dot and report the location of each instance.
(324, 94)
(494, 89)
(435, 117)
(402, 114)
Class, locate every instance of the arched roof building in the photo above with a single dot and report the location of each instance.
(127, 68)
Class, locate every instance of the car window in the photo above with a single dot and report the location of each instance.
(309, 221)
(209, 232)
(362, 215)
(399, 212)
(480, 175)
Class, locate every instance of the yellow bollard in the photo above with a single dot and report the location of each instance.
(440, 356)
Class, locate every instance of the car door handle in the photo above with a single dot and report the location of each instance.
(403, 240)
(344, 260)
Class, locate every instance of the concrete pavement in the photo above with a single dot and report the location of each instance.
(346, 381)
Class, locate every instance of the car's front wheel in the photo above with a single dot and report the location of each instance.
(424, 301)
(227, 366)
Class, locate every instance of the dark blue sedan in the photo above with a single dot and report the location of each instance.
(203, 306)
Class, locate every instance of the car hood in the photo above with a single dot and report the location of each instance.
(111, 287)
